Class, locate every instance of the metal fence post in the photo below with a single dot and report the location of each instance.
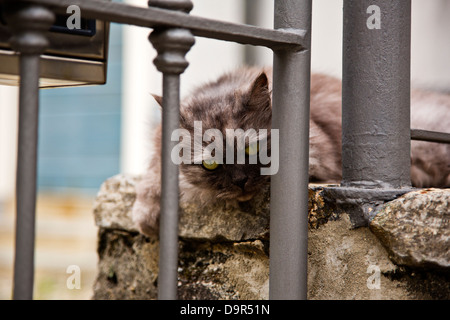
(172, 45)
(28, 25)
(376, 94)
(289, 187)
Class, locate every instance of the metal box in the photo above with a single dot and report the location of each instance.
(75, 57)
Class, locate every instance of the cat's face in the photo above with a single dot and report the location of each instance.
(223, 106)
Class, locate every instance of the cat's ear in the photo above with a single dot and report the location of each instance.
(158, 99)
(259, 93)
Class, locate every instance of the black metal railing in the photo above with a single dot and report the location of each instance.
(374, 62)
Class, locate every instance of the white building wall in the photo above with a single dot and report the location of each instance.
(8, 141)
(430, 44)
(326, 53)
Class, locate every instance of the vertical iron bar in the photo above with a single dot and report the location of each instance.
(28, 24)
(376, 93)
(168, 238)
(289, 187)
(26, 176)
(172, 45)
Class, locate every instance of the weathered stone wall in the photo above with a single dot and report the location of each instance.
(224, 252)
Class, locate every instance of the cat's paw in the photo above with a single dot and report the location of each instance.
(145, 219)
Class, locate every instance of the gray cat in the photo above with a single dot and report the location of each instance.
(242, 99)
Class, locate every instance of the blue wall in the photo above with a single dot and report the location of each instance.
(79, 131)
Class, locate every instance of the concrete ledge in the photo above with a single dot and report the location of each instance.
(415, 228)
(224, 252)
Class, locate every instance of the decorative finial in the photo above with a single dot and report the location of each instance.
(28, 24)
(172, 44)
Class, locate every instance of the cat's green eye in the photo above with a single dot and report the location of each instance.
(209, 164)
(252, 149)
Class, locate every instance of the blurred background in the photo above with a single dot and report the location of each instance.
(88, 134)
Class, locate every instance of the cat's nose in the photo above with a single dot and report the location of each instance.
(240, 182)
